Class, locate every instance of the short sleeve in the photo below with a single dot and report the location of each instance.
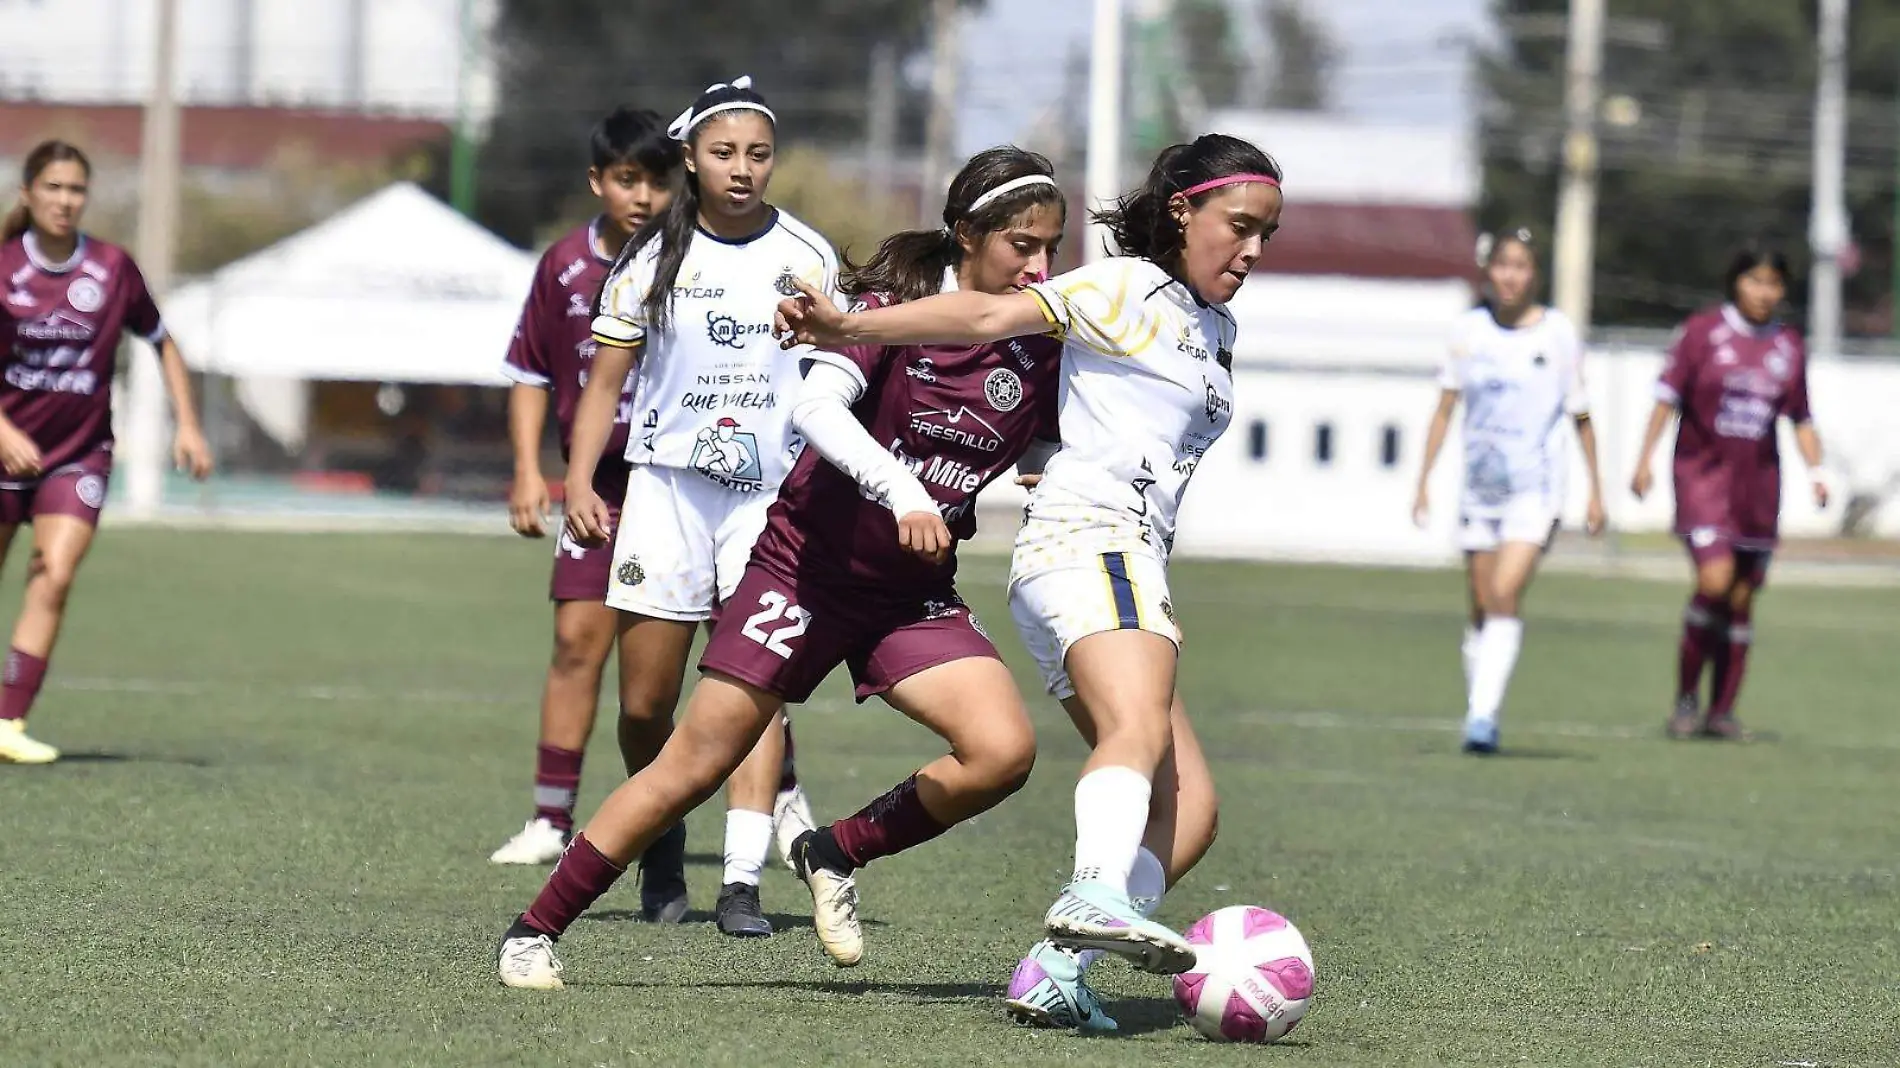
(141, 311)
(621, 319)
(1576, 392)
(1097, 307)
(1679, 364)
(1795, 404)
(527, 360)
(861, 362)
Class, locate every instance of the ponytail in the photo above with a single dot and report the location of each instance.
(995, 187)
(1143, 223)
(20, 219)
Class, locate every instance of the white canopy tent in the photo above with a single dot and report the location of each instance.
(397, 287)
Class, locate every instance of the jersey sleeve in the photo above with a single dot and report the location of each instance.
(1451, 369)
(1097, 307)
(527, 359)
(1679, 365)
(1795, 405)
(861, 362)
(1576, 392)
(141, 311)
(620, 319)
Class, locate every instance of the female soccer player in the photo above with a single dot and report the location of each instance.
(1147, 388)
(857, 567)
(1731, 373)
(69, 298)
(693, 294)
(1518, 365)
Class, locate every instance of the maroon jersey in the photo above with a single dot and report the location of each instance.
(1731, 381)
(62, 326)
(959, 417)
(553, 348)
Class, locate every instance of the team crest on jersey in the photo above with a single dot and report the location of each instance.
(91, 490)
(1776, 364)
(1003, 389)
(787, 283)
(85, 294)
(729, 456)
(630, 573)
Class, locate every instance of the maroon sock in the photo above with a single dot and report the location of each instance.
(557, 781)
(891, 824)
(787, 773)
(20, 683)
(1732, 664)
(1701, 625)
(579, 878)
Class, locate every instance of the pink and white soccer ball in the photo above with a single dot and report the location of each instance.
(1253, 978)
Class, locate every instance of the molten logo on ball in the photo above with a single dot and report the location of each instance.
(1253, 977)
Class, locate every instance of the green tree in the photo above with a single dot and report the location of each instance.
(1711, 147)
(564, 63)
(1304, 55)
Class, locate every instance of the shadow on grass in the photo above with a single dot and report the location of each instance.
(927, 992)
(101, 756)
(781, 921)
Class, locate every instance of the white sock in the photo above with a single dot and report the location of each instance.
(1491, 675)
(1147, 882)
(748, 839)
(1470, 650)
(1111, 812)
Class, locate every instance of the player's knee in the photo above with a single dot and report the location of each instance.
(649, 703)
(53, 576)
(573, 657)
(1010, 762)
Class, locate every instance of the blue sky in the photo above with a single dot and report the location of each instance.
(1399, 64)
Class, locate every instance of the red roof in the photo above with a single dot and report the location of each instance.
(230, 138)
(1373, 241)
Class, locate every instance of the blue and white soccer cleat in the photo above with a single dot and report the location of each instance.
(1481, 736)
(1092, 915)
(1048, 991)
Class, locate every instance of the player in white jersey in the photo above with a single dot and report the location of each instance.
(1146, 390)
(692, 297)
(1518, 366)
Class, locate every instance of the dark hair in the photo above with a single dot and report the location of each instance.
(44, 155)
(1750, 256)
(1489, 245)
(910, 265)
(1141, 223)
(634, 136)
(674, 227)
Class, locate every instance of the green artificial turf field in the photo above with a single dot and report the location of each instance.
(290, 755)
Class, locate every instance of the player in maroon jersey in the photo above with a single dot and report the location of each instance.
(856, 566)
(1732, 373)
(69, 297)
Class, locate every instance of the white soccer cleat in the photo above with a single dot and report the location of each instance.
(791, 817)
(17, 747)
(538, 842)
(529, 963)
(834, 906)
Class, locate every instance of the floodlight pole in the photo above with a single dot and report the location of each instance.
(157, 240)
(1573, 255)
(1105, 121)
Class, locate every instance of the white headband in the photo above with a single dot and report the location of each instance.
(1007, 188)
(683, 126)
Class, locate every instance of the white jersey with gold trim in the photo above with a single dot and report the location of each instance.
(1147, 388)
(713, 393)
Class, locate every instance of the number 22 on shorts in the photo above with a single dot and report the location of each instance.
(775, 607)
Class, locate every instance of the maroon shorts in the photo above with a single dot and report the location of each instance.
(1710, 543)
(581, 571)
(784, 636)
(77, 489)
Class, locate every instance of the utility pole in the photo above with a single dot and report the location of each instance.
(1574, 248)
(880, 125)
(1105, 121)
(946, 59)
(462, 141)
(157, 237)
(1827, 225)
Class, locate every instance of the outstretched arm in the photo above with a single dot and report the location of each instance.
(961, 318)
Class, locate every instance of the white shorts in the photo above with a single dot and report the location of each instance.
(1056, 608)
(1529, 517)
(683, 543)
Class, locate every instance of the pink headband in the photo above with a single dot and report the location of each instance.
(1232, 179)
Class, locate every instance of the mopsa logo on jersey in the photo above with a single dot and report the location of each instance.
(729, 456)
(723, 329)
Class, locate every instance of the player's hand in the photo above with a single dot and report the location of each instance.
(589, 521)
(528, 505)
(1595, 519)
(1641, 483)
(1029, 481)
(191, 453)
(925, 534)
(1422, 509)
(1820, 491)
(18, 455)
(809, 319)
